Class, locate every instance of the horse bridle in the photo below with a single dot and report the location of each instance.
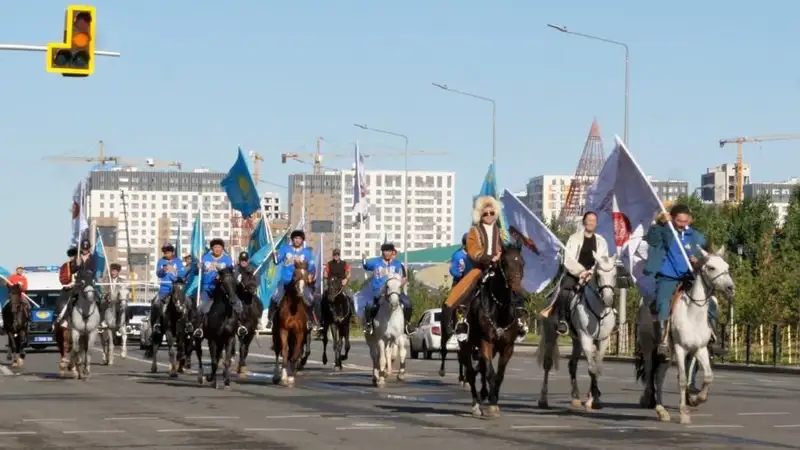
(708, 284)
(341, 289)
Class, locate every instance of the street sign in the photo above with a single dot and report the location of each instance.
(322, 226)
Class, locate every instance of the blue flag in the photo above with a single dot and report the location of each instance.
(197, 251)
(259, 238)
(489, 189)
(99, 255)
(178, 244)
(241, 189)
(3, 288)
(270, 274)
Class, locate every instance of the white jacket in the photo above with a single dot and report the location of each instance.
(574, 244)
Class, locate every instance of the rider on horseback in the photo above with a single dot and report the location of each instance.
(459, 262)
(339, 269)
(169, 269)
(288, 254)
(381, 267)
(213, 261)
(18, 279)
(666, 261)
(579, 259)
(83, 270)
(247, 282)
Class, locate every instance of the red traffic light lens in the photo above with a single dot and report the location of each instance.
(82, 21)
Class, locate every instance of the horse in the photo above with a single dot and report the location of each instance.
(113, 307)
(593, 320)
(689, 334)
(289, 338)
(173, 327)
(83, 324)
(253, 309)
(219, 330)
(16, 319)
(388, 339)
(494, 325)
(336, 316)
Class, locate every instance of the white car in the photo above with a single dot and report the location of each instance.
(427, 336)
(136, 315)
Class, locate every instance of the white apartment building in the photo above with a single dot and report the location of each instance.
(328, 197)
(546, 195)
(273, 207)
(718, 184)
(779, 193)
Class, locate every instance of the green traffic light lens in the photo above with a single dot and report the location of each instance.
(80, 60)
(63, 58)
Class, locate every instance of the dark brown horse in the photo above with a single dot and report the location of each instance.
(16, 317)
(290, 336)
(336, 315)
(253, 309)
(495, 318)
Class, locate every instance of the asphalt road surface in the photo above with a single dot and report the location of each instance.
(124, 406)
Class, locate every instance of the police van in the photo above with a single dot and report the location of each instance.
(44, 289)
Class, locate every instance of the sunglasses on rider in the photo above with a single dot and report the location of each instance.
(488, 213)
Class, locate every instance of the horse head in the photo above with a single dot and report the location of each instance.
(300, 277)
(334, 287)
(716, 272)
(513, 267)
(605, 276)
(178, 296)
(88, 291)
(392, 289)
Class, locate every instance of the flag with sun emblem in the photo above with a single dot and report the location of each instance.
(240, 188)
(80, 225)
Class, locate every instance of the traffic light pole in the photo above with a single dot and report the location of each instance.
(43, 48)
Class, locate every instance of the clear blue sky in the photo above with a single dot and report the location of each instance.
(196, 79)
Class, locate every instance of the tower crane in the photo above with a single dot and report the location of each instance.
(101, 159)
(317, 156)
(740, 141)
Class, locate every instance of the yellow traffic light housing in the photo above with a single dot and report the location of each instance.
(75, 56)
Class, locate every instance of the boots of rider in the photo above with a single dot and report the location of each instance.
(238, 308)
(369, 315)
(562, 309)
(407, 318)
(64, 311)
(662, 336)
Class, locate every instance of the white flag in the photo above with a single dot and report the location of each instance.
(80, 226)
(540, 247)
(626, 205)
(360, 203)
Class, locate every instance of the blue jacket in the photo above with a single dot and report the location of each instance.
(664, 255)
(210, 267)
(168, 277)
(380, 271)
(287, 255)
(459, 264)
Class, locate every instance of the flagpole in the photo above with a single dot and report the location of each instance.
(200, 257)
(105, 256)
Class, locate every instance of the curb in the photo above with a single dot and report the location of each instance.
(731, 367)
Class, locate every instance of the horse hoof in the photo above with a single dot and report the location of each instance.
(290, 382)
(686, 419)
(492, 411)
(576, 403)
(401, 376)
(662, 413)
(14, 364)
(226, 387)
(543, 404)
(324, 359)
(200, 379)
(276, 380)
(381, 384)
(476, 410)
(338, 368)
(153, 369)
(173, 374)
(123, 355)
(592, 405)
(8, 357)
(214, 385)
(442, 372)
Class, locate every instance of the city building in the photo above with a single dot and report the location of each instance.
(546, 195)
(779, 194)
(669, 190)
(326, 200)
(718, 184)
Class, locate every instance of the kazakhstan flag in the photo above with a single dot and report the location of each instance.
(3, 288)
(198, 250)
(241, 189)
(270, 274)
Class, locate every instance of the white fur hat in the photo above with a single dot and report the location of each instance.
(482, 203)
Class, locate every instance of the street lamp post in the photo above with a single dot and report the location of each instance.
(405, 186)
(494, 115)
(563, 29)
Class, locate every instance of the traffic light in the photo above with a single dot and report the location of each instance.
(75, 56)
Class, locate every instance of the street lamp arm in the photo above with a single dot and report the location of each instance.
(468, 94)
(564, 29)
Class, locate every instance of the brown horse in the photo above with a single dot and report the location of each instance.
(63, 340)
(290, 336)
(495, 319)
(16, 317)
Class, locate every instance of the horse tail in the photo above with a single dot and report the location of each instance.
(548, 355)
(638, 364)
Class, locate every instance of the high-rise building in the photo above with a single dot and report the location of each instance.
(669, 190)
(328, 197)
(718, 184)
(546, 195)
(778, 192)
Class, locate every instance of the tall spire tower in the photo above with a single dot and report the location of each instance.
(589, 166)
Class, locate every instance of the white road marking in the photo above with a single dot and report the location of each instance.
(365, 428)
(438, 415)
(715, 426)
(538, 427)
(370, 416)
(212, 417)
(17, 433)
(763, 414)
(6, 371)
(48, 420)
(275, 429)
(786, 426)
(188, 430)
(294, 416)
(623, 428)
(94, 431)
(133, 418)
(453, 428)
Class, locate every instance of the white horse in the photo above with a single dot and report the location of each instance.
(388, 339)
(84, 321)
(116, 319)
(689, 336)
(593, 320)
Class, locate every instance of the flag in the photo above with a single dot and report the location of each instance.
(489, 189)
(259, 238)
(198, 249)
(626, 205)
(270, 273)
(240, 188)
(100, 260)
(80, 225)
(4, 273)
(540, 247)
(180, 238)
(360, 202)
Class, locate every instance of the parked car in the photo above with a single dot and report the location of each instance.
(427, 336)
(136, 315)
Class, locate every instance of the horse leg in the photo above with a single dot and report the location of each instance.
(75, 347)
(336, 343)
(297, 352)
(244, 350)
(574, 357)
(547, 358)
(401, 356)
(110, 335)
(305, 349)
(680, 356)
(587, 343)
(156, 337)
(198, 350)
(465, 359)
(502, 364)
(487, 351)
(325, 344)
(648, 398)
(214, 356)
(703, 359)
(173, 360)
(284, 334)
(381, 343)
(226, 368)
(346, 333)
(443, 354)
(90, 341)
(277, 348)
(123, 352)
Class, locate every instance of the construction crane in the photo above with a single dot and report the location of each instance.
(740, 141)
(101, 158)
(317, 156)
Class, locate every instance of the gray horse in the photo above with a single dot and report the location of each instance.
(83, 324)
(114, 304)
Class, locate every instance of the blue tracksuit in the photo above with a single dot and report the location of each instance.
(210, 267)
(665, 260)
(459, 265)
(165, 287)
(288, 255)
(381, 269)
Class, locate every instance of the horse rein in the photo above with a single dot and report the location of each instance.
(709, 287)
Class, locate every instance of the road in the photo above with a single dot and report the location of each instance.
(124, 406)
